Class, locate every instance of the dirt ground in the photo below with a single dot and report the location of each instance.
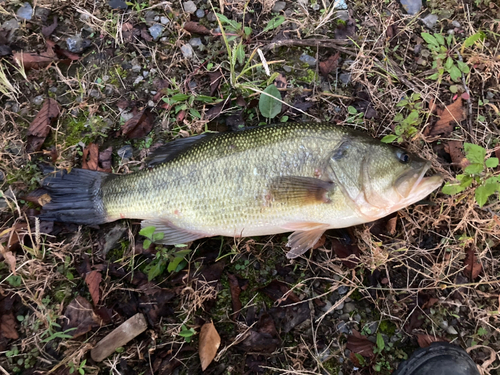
(99, 85)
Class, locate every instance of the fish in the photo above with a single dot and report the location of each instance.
(303, 178)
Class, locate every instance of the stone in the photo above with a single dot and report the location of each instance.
(94, 93)
(187, 51)
(136, 68)
(456, 24)
(211, 17)
(156, 31)
(77, 44)
(340, 306)
(345, 78)
(340, 4)
(138, 80)
(12, 26)
(125, 152)
(195, 42)
(343, 15)
(411, 6)
(343, 289)
(38, 100)
(164, 20)
(42, 13)
(430, 20)
(200, 13)
(279, 6)
(189, 7)
(342, 327)
(117, 4)
(309, 60)
(349, 307)
(25, 12)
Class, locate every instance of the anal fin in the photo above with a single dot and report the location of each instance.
(173, 235)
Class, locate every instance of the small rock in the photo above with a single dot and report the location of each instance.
(149, 17)
(287, 68)
(340, 4)
(340, 306)
(421, 61)
(343, 15)
(344, 317)
(94, 93)
(156, 19)
(151, 103)
(451, 32)
(25, 12)
(164, 20)
(349, 307)
(490, 95)
(211, 17)
(192, 85)
(430, 20)
(195, 42)
(136, 68)
(345, 78)
(279, 6)
(77, 44)
(42, 13)
(138, 80)
(451, 330)
(305, 58)
(112, 237)
(189, 7)
(126, 115)
(411, 6)
(105, 78)
(53, 89)
(117, 4)
(342, 327)
(145, 73)
(156, 31)
(37, 100)
(327, 307)
(187, 51)
(456, 23)
(125, 152)
(12, 106)
(200, 13)
(315, 6)
(343, 289)
(12, 26)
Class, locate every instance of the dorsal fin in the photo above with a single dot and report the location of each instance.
(174, 148)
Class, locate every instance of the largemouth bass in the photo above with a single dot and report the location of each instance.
(300, 178)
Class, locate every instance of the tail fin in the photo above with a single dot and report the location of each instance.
(75, 197)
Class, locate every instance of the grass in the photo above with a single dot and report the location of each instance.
(402, 265)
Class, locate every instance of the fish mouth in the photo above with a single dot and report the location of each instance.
(414, 185)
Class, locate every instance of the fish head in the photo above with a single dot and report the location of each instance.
(379, 178)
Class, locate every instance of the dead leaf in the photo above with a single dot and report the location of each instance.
(454, 149)
(448, 118)
(329, 65)
(430, 302)
(320, 242)
(9, 259)
(215, 80)
(93, 280)
(280, 81)
(359, 344)
(47, 30)
(91, 158)
(146, 35)
(426, 340)
(472, 266)
(80, 315)
(139, 125)
(40, 126)
(196, 28)
(209, 343)
(8, 326)
(235, 290)
(105, 159)
(391, 225)
(33, 60)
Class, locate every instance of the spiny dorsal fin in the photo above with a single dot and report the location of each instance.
(300, 190)
(172, 149)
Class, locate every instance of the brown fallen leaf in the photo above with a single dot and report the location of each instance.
(47, 30)
(80, 315)
(235, 290)
(454, 149)
(40, 126)
(359, 344)
(209, 343)
(472, 266)
(391, 225)
(329, 65)
(196, 28)
(215, 80)
(426, 340)
(93, 280)
(280, 81)
(430, 302)
(33, 60)
(448, 118)
(91, 158)
(8, 326)
(9, 259)
(139, 125)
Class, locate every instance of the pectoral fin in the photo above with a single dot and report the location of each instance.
(173, 235)
(300, 190)
(302, 240)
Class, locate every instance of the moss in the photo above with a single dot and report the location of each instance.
(74, 128)
(387, 327)
(309, 77)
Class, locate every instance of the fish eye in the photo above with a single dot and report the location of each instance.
(403, 156)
